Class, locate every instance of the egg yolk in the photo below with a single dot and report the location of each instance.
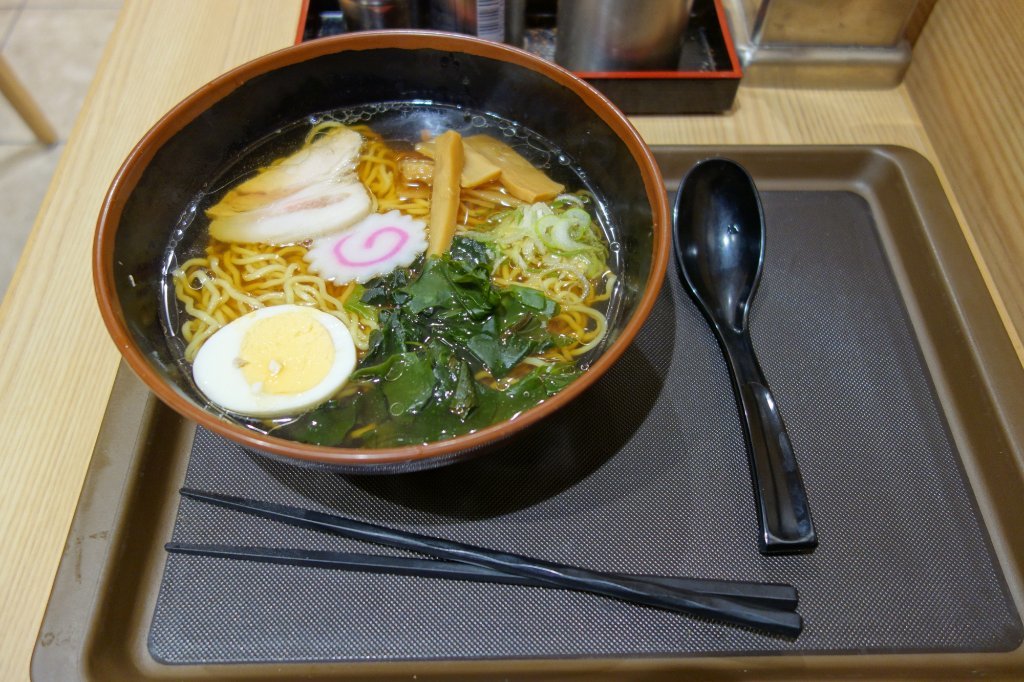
(287, 353)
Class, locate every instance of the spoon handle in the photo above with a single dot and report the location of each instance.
(784, 517)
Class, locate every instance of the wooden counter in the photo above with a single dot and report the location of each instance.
(58, 363)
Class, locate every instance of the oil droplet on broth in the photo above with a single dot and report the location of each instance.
(394, 372)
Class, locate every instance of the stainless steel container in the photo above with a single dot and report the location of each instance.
(481, 18)
(369, 15)
(815, 44)
(860, 23)
(621, 35)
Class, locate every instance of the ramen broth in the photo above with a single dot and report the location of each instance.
(444, 345)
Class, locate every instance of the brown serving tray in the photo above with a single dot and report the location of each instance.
(107, 584)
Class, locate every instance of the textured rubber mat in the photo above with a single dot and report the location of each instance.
(645, 473)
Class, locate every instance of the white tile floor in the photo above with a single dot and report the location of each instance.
(54, 47)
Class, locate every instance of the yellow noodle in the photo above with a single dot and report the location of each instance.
(357, 433)
(267, 275)
(600, 330)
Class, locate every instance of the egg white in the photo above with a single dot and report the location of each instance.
(221, 380)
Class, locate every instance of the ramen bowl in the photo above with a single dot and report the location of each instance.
(152, 203)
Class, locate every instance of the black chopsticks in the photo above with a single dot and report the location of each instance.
(771, 595)
(762, 607)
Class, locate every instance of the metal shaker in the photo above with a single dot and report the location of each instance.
(369, 15)
(621, 35)
(482, 18)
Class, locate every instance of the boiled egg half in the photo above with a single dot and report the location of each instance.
(275, 361)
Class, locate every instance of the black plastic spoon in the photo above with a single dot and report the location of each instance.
(719, 246)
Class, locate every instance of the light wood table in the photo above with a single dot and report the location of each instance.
(58, 363)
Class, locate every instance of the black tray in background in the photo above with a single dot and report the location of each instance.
(706, 80)
(881, 389)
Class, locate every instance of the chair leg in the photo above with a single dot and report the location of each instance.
(22, 101)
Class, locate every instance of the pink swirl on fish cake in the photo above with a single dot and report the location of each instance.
(372, 247)
(368, 244)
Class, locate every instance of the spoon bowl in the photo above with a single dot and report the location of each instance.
(720, 244)
(719, 247)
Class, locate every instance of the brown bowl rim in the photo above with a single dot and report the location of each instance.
(132, 168)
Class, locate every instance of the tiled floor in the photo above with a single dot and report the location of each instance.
(54, 47)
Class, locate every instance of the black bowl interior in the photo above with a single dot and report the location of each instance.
(189, 161)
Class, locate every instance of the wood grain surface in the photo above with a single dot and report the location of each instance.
(58, 363)
(966, 83)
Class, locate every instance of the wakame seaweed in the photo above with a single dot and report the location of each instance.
(440, 322)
